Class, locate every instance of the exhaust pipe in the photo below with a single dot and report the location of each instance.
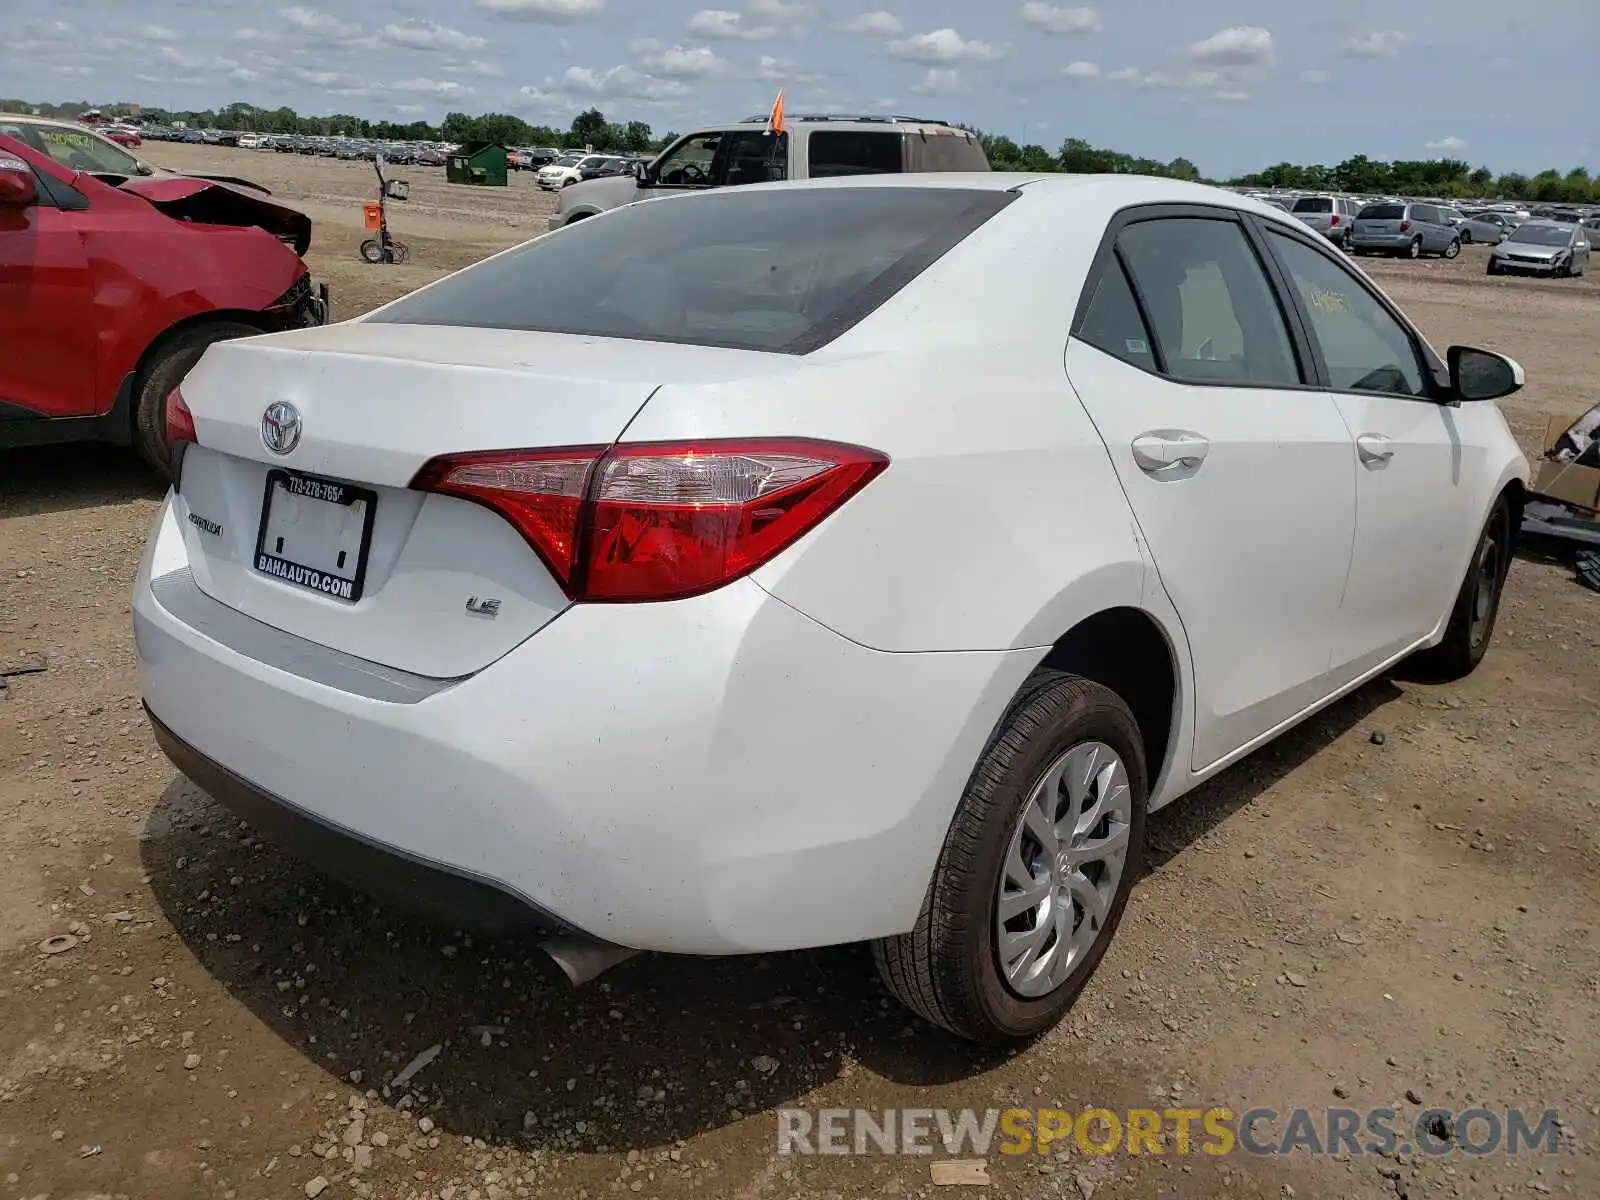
(581, 959)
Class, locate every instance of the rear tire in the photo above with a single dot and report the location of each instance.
(164, 371)
(1477, 607)
(1453, 249)
(372, 251)
(1466, 237)
(1070, 748)
(1415, 249)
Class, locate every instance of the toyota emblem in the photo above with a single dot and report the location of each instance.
(280, 427)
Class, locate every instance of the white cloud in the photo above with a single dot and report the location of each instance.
(725, 25)
(944, 45)
(779, 70)
(1448, 145)
(321, 24)
(546, 12)
(1383, 44)
(1216, 82)
(72, 71)
(254, 35)
(1051, 18)
(1502, 64)
(873, 24)
(482, 66)
(1232, 96)
(777, 12)
(1316, 75)
(328, 79)
(702, 62)
(685, 62)
(1082, 70)
(428, 35)
(941, 81)
(160, 33)
(621, 83)
(1244, 46)
(245, 75)
(431, 87)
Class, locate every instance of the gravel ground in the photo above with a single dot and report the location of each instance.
(1343, 919)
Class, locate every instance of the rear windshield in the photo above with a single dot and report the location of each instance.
(1313, 204)
(1382, 212)
(783, 270)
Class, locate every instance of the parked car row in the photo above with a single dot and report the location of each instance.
(1544, 241)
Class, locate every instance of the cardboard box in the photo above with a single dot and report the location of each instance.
(1569, 481)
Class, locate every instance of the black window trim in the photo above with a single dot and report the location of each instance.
(1107, 255)
(1435, 374)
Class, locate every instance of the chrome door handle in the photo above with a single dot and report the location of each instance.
(1169, 453)
(1373, 449)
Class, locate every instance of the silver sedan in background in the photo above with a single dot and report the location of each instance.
(1489, 228)
(1543, 248)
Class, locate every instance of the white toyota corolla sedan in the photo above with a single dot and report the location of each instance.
(818, 562)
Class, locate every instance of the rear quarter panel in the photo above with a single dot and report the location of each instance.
(999, 523)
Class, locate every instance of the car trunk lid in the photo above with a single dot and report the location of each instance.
(328, 540)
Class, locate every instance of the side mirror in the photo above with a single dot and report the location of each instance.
(17, 186)
(641, 174)
(1482, 374)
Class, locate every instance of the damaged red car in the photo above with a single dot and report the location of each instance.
(115, 277)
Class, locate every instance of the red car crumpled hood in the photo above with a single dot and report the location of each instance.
(213, 202)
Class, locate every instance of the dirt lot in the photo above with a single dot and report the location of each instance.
(1344, 919)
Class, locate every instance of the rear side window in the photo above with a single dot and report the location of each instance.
(944, 152)
(1215, 317)
(1112, 322)
(777, 270)
(1382, 212)
(1313, 204)
(851, 153)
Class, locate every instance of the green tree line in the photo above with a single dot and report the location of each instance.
(588, 128)
(1442, 177)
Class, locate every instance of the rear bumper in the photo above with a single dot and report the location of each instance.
(1382, 241)
(404, 880)
(711, 776)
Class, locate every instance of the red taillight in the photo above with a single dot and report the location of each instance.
(1335, 219)
(180, 421)
(1405, 226)
(658, 521)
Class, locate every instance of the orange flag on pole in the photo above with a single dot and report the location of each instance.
(775, 121)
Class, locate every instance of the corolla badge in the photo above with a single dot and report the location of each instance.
(280, 427)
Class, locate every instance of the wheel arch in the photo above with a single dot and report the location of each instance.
(1130, 651)
(244, 316)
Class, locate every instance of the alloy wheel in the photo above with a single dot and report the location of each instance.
(1062, 868)
(1486, 577)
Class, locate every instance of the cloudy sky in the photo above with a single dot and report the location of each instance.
(1232, 84)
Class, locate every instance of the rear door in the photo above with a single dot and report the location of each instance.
(48, 329)
(1418, 476)
(1239, 475)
